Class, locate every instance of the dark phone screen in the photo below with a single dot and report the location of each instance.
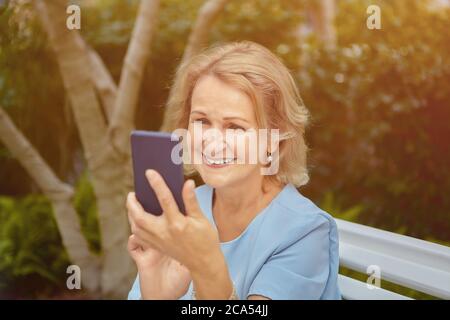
(154, 150)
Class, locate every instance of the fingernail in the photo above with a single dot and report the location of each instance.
(191, 184)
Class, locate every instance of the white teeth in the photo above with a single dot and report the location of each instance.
(221, 161)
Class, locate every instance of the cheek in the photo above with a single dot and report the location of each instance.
(238, 147)
(248, 150)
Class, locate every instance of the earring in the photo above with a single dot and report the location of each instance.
(269, 157)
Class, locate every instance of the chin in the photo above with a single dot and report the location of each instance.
(222, 178)
(216, 178)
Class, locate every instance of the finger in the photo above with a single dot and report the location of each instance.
(164, 195)
(138, 204)
(130, 217)
(133, 243)
(139, 219)
(146, 244)
(133, 203)
(137, 241)
(190, 199)
(131, 222)
(136, 247)
(145, 240)
(133, 208)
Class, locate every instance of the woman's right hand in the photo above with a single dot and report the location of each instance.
(160, 276)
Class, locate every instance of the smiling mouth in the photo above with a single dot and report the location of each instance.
(218, 162)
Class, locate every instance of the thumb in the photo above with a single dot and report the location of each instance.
(134, 247)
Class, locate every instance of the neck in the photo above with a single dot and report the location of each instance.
(251, 193)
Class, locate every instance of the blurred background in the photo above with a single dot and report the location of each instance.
(379, 100)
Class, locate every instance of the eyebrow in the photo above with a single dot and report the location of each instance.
(225, 118)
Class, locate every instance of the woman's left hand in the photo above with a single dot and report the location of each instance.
(190, 239)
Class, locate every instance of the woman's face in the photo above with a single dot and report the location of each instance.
(225, 115)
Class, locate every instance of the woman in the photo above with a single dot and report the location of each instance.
(245, 235)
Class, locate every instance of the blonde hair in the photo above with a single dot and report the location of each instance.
(256, 71)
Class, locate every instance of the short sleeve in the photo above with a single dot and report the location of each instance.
(299, 268)
(135, 292)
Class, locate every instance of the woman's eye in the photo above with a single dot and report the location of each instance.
(236, 127)
(200, 121)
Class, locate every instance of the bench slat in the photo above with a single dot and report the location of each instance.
(352, 289)
(407, 261)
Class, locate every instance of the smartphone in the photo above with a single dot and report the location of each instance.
(161, 152)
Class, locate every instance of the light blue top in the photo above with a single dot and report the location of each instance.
(288, 251)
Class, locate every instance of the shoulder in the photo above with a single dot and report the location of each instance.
(298, 217)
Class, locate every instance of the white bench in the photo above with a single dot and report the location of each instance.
(407, 261)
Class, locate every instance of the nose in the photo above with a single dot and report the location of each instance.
(214, 140)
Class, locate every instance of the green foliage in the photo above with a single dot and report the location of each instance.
(32, 258)
(86, 207)
(331, 205)
(380, 110)
(33, 261)
(255, 19)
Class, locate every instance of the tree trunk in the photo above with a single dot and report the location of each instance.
(104, 83)
(106, 168)
(122, 121)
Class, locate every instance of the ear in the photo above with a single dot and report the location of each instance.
(273, 145)
(274, 141)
